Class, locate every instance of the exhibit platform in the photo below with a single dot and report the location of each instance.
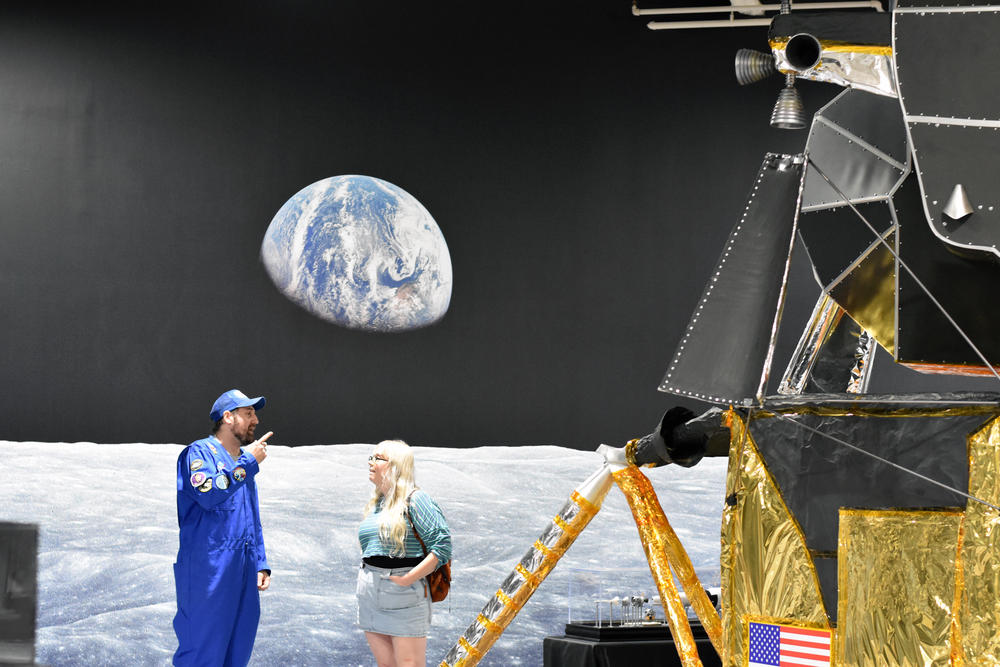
(587, 644)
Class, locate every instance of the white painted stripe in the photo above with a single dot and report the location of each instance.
(839, 203)
(805, 636)
(946, 10)
(944, 120)
(805, 662)
(817, 650)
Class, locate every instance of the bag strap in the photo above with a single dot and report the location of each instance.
(410, 519)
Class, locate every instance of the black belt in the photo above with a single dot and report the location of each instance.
(391, 563)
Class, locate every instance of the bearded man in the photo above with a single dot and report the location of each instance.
(221, 564)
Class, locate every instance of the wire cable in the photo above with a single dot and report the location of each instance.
(926, 291)
(885, 461)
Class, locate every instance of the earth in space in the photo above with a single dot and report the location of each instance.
(360, 252)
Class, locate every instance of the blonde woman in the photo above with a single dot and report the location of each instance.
(394, 604)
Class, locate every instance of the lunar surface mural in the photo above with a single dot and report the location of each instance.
(361, 253)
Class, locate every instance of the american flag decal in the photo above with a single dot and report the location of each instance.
(773, 645)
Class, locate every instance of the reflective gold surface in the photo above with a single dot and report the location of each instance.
(834, 45)
(977, 617)
(530, 571)
(658, 565)
(868, 294)
(630, 451)
(841, 47)
(765, 566)
(664, 550)
(896, 581)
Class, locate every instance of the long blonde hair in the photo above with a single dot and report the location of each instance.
(392, 518)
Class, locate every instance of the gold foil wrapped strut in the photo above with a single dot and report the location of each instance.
(530, 571)
(663, 551)
(584, 504)
(660, 568)
(630, 451)
(976, 625)
(470, 650)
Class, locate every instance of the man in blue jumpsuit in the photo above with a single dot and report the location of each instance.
(221, 564)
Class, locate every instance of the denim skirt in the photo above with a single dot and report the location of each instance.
(389, 609)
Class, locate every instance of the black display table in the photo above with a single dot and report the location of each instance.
(586, 645)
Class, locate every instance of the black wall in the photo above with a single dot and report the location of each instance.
(584, 170)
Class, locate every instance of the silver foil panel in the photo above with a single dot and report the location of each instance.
(834, 354)
(860, 143)
(568, 512)
(870, 72)
(551, 536)
(859, 140)
(857, 172)
(864, 361)
(475, 632)
(876, 121)
(454, 655)
(512, 584)
(533, 560)
(491, 609)
(825, 316)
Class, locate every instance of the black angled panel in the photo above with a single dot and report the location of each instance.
(722, 355)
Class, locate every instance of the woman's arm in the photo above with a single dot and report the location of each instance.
(426, 566)
(430, 523)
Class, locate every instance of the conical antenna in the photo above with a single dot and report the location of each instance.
(958, 205)
(789, 114)
(753, 66)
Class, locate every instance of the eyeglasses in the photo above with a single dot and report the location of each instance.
(374, 458)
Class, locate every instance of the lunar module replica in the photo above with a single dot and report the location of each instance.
(858, 528)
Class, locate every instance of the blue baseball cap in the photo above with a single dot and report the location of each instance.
(232, 399)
